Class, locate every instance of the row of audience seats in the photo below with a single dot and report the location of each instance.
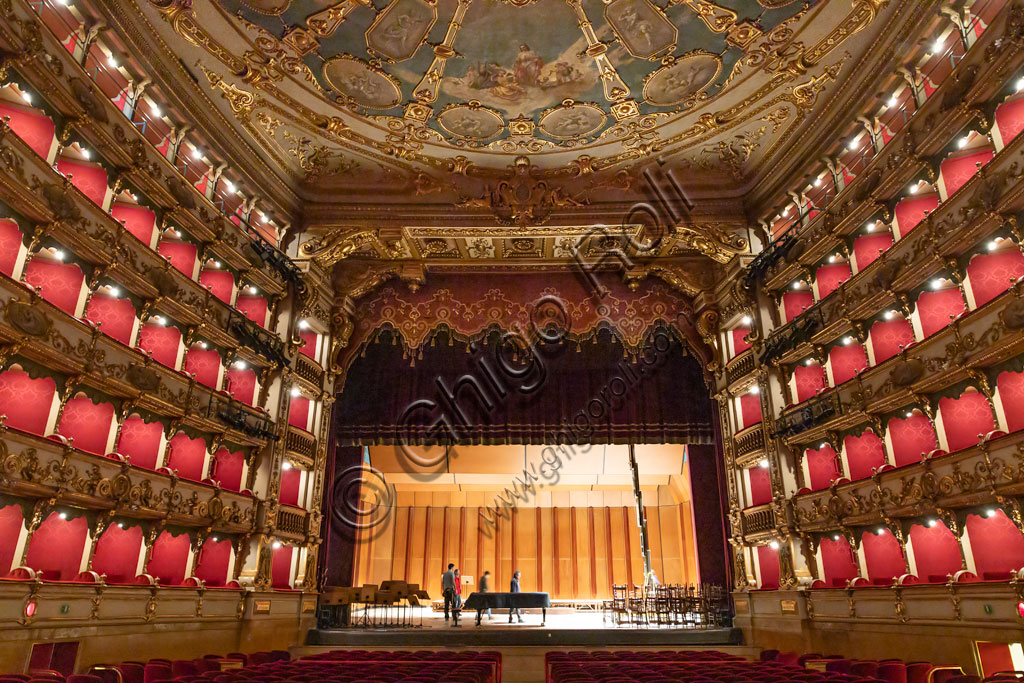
(155, 669)
(880, 671)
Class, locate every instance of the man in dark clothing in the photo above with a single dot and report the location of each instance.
(448, 589)
(514, 588)
(485, 585)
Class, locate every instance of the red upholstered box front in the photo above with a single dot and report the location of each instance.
(57, 547)
(117, 553)
(1010, 390)
(937, 309)
(213, 561)
(254, 308)
(281, 567)
(760, 485)
(187, 455)
(846, 362)
(12, 521)
(996, 545)
(989, 275)
(955, 172)
(1010, 119)
(242, 384)
(828, 278)
(291, 483)
(863, 453)
(750, 409)
(964, 418)
(837, 561)
(910, 438)
(34, 127)
(739, 343)
(169, 558)
(822, 466)
(883, 556)
(138, 220)
(298, 412)
(89, 424)
(309, 344)
(10, 246)
(794, 303)
(220, 282)
(141, 441)
(90, 179)
(869, 247)
(116, 317)
(808, 380)
(910, 212)
(936, 552)
(228, 470)
(164, 343)
(888, 336)
(27, 402)
(63, 284)
(184, 257)
(205, 364)
(768, 566)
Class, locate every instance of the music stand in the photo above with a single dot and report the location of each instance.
(367, 593)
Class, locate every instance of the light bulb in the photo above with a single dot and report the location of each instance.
(913, 188)
(112, 61)
(937, 45)
(817, 182)
(746, 320)
(962, 142)
(785, 212)
(832, 258)
(774, 545)
(27, 96)
(240, 364)
(993, 245)
(87, 154)
(797, 284)
(889, 315)
(114, 291)
(881, 531)
(990, 512)
(910, 413)
(852, 144)
(276, 545)
(286, 465)
(1020, 85)
(936, 283)
(216, 264)
(932, 522)
(120, 525)
(755, 390)
(230, 186)
(58, 254)
(156, 110)
(197, 153)
(203, 345)
(303, 325)
(892, 101)
(177, 233)
(63, 515)
(252, 289)
(160, 320)
(808, 362)
(835, 537)
(295, 392)
(764, 464)
(847, 341)
(263, 218)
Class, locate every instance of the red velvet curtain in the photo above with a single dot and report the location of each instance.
(750, 409)
(291, 481)
(309, 340)
(298, 412)
(281, 567)
(212, 563)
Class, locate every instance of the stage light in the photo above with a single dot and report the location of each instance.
(746, 320)
(774, 545)
(303, 325)
(990, 512)
(993, 245)
(58, 254)
(295, 392)
(764, 464)
(932, 522)
(962, 142)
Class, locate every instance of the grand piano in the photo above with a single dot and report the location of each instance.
(509, 601)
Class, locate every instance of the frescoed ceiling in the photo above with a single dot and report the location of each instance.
(446, 96)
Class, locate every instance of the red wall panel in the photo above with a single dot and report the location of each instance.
(57, 547)
(291, 481)
(10, 246)
(739, 345)
(117, 553)
(883, 556)
(956, 171)
(140, 440)
(809, 380)
(866, 249)
(936, 552)
(863, 453)
(888, 335)
(228, 470)
(794, 303)
(1010, 386)
(220, 282)
(138, 220)
(828, 278)
(911, 437)
(25, 401)
(33, 127)
(62, 283)
(996, 545)
(187, 455)
(163, 342)
(846, 362)
(964, 418)
(89, 424)
(837, 561)
(760, 485)
(910, 212)
(169, 558)
(281, 567)
(91, 180)
(12, 520)
(308, 347)
(116, 317)
(750, 410)
(935, 308)
(254, 308)
(212, 563)
(241, 383)
(182, 255)
(298, 412)
(768, 564)
(1010, 119)
(822, 466)
(205, 364)
(990, 275)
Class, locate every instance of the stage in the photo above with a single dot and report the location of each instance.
(563, 628)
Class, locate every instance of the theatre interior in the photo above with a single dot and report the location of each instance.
(490, 341)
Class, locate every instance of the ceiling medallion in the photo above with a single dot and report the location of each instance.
(362, 83)
(399, 30)
(681, 80)
(522, 199)
(641, 27)
(572, 120)
(471, 121)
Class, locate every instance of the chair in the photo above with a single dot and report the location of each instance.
(83, 678)
(917, 672)
(893, 672)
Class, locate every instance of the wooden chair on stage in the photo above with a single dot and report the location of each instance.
(637, 605)
(619, 604)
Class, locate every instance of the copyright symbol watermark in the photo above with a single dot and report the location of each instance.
(363, 499)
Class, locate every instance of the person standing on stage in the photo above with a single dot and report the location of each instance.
(458, 589)
(485, 586)
(514, 588)
(448, 589)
